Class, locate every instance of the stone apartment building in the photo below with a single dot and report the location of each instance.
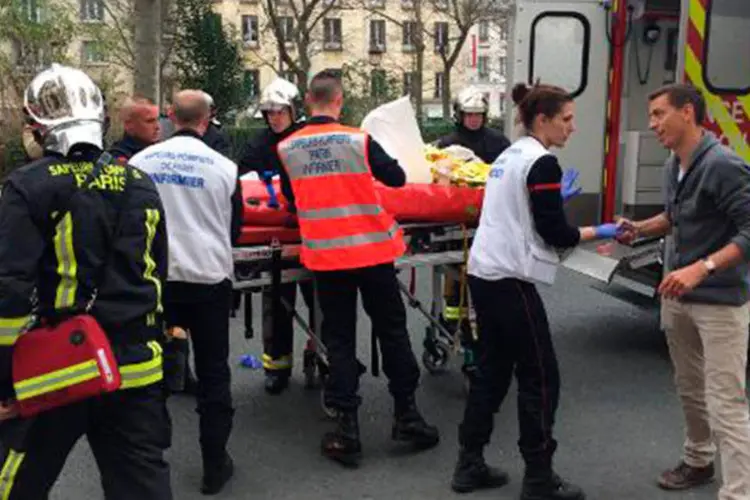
(378, 35)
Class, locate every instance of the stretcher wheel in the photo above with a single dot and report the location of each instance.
(435, 359)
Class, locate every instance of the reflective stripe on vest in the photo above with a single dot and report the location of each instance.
(351, 241)
(10, 329)
(8, 473)
(335, 212)
(67, 266)
(143, 373)
(342, 223)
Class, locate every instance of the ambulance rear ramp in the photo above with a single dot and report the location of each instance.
(638, 265)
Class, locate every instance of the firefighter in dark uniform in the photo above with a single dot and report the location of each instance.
(470, 115)
(215, 137)
(129, 429)
(140, 119)
(281, 105)
(350, 244)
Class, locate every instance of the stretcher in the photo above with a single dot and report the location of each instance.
(438, 223)
(434, 246)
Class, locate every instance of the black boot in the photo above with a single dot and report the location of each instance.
(549, 486)
(472, 473)
(343, 445)
(276, 382)
(216, 474)
(409, 426)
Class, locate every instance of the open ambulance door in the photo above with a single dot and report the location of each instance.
(562, 42)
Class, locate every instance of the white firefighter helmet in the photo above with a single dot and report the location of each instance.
(67, 107)
(471, 100)
(279, 94)
(209, 99)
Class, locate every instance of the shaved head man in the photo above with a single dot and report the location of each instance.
(190, 111)
(140, 119)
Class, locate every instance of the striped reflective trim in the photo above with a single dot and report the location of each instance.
(351, 241)
(282, 363)
(10, 329)
(8, 473)
(144, 373)
(453, 313)
(345, 211)
(59, 379)
(67, 266)
(152, 220)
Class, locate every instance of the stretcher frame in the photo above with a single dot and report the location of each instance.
(438, 246)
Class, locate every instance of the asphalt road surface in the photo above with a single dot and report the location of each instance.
(619, 423)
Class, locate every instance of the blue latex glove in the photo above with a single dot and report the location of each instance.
(267, 176)
(568, 188)
(607, 231)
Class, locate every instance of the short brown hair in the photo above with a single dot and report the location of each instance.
(324, 87)
(680, 95)
(541, 99)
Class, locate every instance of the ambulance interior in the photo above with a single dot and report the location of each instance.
(653, 58)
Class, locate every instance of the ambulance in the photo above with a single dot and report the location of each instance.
(610, 54)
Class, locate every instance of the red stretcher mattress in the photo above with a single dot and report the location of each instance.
(411, 203)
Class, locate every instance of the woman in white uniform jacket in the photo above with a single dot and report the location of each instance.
(522, 225)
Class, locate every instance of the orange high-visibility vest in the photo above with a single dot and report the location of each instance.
(342, 224)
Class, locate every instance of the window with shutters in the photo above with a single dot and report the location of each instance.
(332, 34)
(31, 10)
(439, 85)
(251, 83)
(484, 31)
(483, 68)
(377, 36)
(250, 33)
(286, 29)
(92, 53)
(410, 32)
(442, 44)
(92, 10)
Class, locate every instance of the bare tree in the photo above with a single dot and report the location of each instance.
(462, 14)
(138, 35)
(414, 35)
(300, 33)
(37, 37)
(446, 25)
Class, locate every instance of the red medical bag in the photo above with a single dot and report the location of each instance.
(60, 364)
